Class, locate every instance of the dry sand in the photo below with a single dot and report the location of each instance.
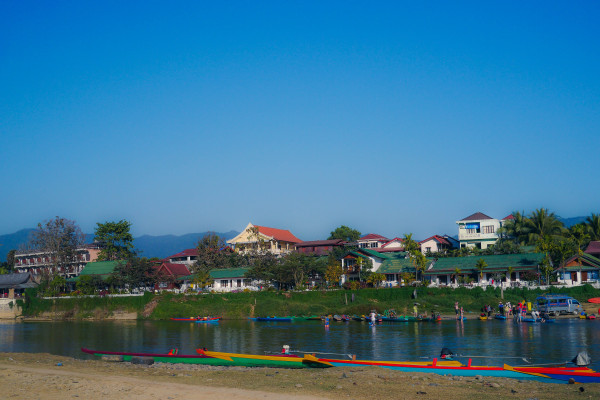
(37, 376)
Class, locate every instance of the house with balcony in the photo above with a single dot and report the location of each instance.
(38, 262)
(438, 244)
(263, 239)
(478, 230)
(187, 257)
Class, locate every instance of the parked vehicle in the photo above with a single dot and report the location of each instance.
(555, 304)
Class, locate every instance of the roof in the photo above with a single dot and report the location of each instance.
(374, 236)
(175, 269)
(396, 239)
(100, 268)
(477, 216)
(17, 281)
(593, 247)
(494, 263)
(185, 253)
(278, 234)
(396, 264)
(332, 242)
(508, 217)
(228, 273)
(587, 262)
(437, 238)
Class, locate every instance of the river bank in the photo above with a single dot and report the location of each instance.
(251, 304)
(31, 375)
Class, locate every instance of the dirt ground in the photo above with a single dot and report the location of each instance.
(38, 376)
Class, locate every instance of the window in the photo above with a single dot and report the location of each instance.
(427, 249)
(239, 283)
(488, 229)
(224, 283)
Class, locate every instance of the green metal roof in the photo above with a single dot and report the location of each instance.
(228, 273)
(499, 262)
(594, 263)
(396, 266)
(100, 268)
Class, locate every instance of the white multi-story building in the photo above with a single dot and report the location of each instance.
(479, 230)
(39, 262)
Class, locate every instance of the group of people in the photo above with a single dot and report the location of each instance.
(460, 313)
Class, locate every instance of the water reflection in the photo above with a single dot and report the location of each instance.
(494, 339)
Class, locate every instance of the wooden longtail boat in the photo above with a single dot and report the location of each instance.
(199, 320)
(205, 357)
(455, 368)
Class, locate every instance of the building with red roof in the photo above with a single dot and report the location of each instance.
(372, 241)
(169, 273)
(438, 244)
(264, 240)
(319, 247)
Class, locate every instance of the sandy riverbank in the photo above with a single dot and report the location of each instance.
(37, 376)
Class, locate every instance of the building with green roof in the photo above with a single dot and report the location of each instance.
(102, 269)
(445, 271)
(580, 269)
(391, 264)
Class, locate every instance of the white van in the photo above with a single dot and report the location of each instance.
(555, 304)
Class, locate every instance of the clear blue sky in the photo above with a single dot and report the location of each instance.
(389, 117)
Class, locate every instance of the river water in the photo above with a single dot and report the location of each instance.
(496, 340)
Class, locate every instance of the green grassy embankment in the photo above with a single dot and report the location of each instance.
(243, 305)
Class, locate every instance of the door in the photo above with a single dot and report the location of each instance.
(574, 276)
(583, 276)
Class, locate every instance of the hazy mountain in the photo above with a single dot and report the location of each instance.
(569, 222)
(146, 245)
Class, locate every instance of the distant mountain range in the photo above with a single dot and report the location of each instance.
(569, 222)
(146, 245)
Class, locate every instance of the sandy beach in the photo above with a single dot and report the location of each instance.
(45, 376)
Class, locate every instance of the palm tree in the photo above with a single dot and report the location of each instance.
(481, 266)
(593, 226)
(515, 228)
(410, 245)
(542, 224)
(509, 272)
(456, 274)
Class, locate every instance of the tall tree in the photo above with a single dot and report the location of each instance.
(593, 226)
(211, 253)
(515, 229)
(10, 259)
(59, 238)
(345, 233)
(542, 223)
(481, 266)
(136, 272)
(333, 273)
(116, 240)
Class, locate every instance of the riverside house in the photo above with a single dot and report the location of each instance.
(392, 265)
(581, 269)
(455, 270)
(319, 247)
(438, 244)
(264, 240)
(38, 262)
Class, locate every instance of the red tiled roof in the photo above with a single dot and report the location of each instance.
(476, 216)
(332, 242)
(278, 234)
(175, 269)
(374, 236)
(508, 217)
(185, 253)
(438, 239)
(593, 247)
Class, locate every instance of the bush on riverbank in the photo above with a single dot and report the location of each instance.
(254, 304)
(81, 307)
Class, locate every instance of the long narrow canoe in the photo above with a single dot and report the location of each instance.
(578, 374)
(274, 319)
(279, 361)
(198, 320)
(205, 357)
(456, 368)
